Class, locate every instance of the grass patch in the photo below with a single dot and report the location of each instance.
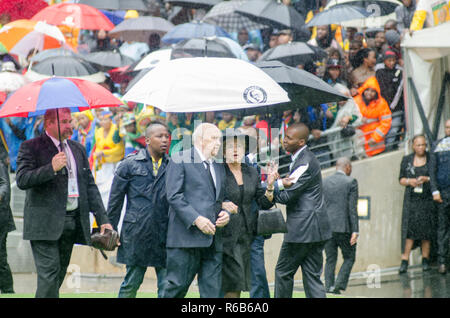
(140, 295)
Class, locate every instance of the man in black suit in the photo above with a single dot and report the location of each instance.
(60, 193)
(6, 225)
(307, 220)
(341, 199)
(195, 192)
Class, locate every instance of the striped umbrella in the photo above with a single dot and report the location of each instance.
(21, 36)
(223, 14)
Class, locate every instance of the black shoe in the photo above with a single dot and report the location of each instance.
(442, 269)
(334, 290)
(403, 267)
(426, 264)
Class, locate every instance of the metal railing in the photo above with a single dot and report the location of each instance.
(334, 145)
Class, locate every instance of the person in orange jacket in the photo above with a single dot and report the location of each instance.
(376, 114)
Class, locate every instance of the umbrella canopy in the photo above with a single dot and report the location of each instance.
(304, 88)
(10, 81)
(140, 29)
(338, 14)
(293, 53)
(206, 84)
(108, 59)
(65, 66)
(194, 4)
(380, 11)
(54, 53)
(223, 14)
(35, 98)
(193, 29)
(115, 17)
(79, 16)
(21, 36)
(21, 9)
(273, 13)
(116, 4)
(201, 47)
(155, 57)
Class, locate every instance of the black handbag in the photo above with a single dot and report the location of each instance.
(348, 131)
(271, 222)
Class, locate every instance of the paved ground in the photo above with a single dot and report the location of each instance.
(388, 284)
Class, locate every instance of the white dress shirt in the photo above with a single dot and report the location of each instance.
(213, 172)
(72, 203)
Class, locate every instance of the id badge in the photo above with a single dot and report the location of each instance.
(73, 188)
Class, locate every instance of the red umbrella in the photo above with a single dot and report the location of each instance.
(21, 9)
(78, 16)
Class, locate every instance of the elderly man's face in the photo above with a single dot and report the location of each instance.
(210, 141)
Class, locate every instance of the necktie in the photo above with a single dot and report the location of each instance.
(208, 168)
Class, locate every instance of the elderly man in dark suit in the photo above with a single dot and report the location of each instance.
(195, 192)
(341, 199)
(60, 193)
(307, 220)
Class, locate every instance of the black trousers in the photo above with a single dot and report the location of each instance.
(6, 279)
(309, 257)
(342, 241)
(52, 259)
(443, 228)
(182, 266)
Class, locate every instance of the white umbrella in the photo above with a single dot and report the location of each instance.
(206, 84)
(151, 59)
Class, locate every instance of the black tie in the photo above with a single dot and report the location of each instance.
(208, 168)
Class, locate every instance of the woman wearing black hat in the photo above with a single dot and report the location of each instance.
(243, 187)
(334, 73)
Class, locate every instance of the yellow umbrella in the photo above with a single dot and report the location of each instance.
(21, 36)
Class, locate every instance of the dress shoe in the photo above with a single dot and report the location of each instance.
(442, 269)
(334, 290)
(425, 264)
(403, 267)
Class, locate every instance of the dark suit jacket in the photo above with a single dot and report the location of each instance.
(46, 192)
(191, 194)
(6, 217)
(246, 218)
(341, 199)
(144, 227)
(307, 219)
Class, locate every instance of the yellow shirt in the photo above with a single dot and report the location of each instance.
(156, 165)
(113, 152)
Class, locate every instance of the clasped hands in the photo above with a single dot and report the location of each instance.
(207, 227)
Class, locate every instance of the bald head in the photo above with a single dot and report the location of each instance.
(345, 165)
(207, 138)
(296, 137)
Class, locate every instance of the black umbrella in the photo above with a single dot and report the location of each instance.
(140, 29)
(53, 53)
(273, 13)
(65, 66)
(338, 14)
(194, 4)
(292, 54)
(200, 47)
(116, 4)
(108, 59)
(304, 88)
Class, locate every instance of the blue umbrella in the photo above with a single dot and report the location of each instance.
(193, 29)
(115, 17)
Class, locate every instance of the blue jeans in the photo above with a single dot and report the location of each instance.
(259, 285)
(135, 277)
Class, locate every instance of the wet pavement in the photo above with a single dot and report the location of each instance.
(389, 284)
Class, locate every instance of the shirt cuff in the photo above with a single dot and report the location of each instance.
(435, 192)
(280, 185)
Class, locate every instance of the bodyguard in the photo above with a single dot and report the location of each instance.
(140, 177)
(341, 199)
